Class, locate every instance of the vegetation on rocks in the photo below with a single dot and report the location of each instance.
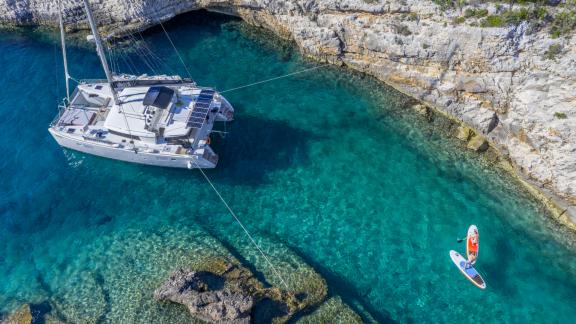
(402, 30)
(560, 115)
(553, 51)
(515, 17)
(564, 22)
(473, 12)
(492, 21)
(559, 16)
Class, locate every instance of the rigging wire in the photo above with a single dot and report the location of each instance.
(176, 50)
(276, 78)
(142, 54)
(129, 63)
(241, 225)
(56, 73)
(113, 58)
(154, 56)
(148, 56)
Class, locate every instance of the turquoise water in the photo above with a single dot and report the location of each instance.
(328, 166)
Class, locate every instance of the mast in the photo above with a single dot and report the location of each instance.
(100, 49)
(63, 41)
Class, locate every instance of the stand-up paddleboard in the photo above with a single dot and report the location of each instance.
(470, 246)
(469, 272)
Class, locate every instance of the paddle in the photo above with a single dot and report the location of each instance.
(461, 240)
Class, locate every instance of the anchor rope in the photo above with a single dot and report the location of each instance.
(241, 225)
(275, 78)
(267, 80)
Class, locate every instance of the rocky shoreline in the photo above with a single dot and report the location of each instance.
(501, 82)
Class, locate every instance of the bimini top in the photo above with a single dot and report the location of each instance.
(159, 97)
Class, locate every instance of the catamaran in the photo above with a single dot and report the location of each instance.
(155, 120)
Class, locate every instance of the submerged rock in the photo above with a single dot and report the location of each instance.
(23, 315)
(421, 109)
(206, 298)
(333, 311)
(478, 144)
(464, 133)
(230, 293)
(31, 314)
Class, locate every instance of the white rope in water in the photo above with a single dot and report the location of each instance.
(222, 198)
(273, 79)
(241, 225)
(176, 50)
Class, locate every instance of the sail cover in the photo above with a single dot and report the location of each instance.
(159, 97)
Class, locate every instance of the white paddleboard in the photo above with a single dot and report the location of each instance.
(468, 272)
(472, 230)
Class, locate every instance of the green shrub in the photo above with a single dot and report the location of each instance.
(541, 13)
(481, 13)
(402, 30)
(563, 23)
(412, 16)
(445, 4)
(514, 17)
(553, 51)
(560, 115)
(478, 13)
(459, 20)
(492, 21)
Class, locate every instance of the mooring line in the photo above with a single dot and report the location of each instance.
(273, 79)
(222, 198)
(241, 225)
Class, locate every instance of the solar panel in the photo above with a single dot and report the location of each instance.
(201, 109)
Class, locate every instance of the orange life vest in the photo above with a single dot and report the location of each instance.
(472, 247)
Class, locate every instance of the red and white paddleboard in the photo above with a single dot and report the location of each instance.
(471, 246)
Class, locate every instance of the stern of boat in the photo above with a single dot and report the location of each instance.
(226, 112)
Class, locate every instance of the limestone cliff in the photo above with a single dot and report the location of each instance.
(515, 84)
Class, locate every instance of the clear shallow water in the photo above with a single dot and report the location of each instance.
(328, 165)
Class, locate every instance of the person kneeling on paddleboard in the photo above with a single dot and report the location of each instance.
(472, 248)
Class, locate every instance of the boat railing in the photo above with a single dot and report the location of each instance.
(61, 109)
(88, 81)
(74, 94)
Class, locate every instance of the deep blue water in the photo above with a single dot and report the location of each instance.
(329, 166)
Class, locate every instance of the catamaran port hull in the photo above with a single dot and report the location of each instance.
(204, 161)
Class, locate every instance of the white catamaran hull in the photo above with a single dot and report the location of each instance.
(129, 155)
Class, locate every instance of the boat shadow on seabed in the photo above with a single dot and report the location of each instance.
(259, 147)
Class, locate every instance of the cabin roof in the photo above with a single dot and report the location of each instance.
(158, 96)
